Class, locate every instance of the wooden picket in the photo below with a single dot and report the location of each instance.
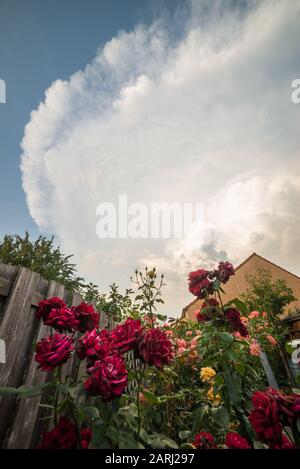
(20, 292)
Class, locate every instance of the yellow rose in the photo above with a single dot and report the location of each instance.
(207, 373)
(215, 399)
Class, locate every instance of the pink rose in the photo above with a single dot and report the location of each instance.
(254, 314)
(255, 349)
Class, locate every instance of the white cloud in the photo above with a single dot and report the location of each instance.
(204, 118)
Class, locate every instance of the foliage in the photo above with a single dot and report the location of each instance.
(264, 294)
(40, 256)
(190, 384)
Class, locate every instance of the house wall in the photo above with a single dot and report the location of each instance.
(238, 283)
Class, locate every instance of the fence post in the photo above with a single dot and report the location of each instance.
(26, 419)
(17, 330)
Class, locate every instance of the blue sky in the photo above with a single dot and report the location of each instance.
(41, 41)
(164, 101)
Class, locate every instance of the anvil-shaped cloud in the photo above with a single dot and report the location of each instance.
(204, 115)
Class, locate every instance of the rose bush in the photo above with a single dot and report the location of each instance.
(153, 382)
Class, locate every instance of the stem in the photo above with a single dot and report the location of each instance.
(75, 421)
(58, 380)
(139, 377)
(139, 410)
(221, 303)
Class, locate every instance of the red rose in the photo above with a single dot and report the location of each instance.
(108, 378)
(63, 436)
(202, 317)
(199, 283)
(234, 318)
(93, 345)
(125, 337)
(210, 309)
(224, 272)
(86, 315)
(265, 418)
(204, 440)
(285, 444)
(211, 302)
(289, 405)
(236, 441)
(155, 348)
(62, 319)
(53, 351)
(46, 306)
(86, 435)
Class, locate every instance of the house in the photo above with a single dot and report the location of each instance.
(238, 283)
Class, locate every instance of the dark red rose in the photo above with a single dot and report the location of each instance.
(202, 317)
(208, 309)
(108, 378)
(155, 348)
(224, 272)
(86, 315)
(211, 302)
(126, 336)
(53, 351)
(94, 345)
(288, 404)
(86, 435)
(265, 418)
(200, 283)
(46, 306)
(234, 318)
(62, 319)
(236, 441)
(204, 440)
(63, 436)
(285, 444)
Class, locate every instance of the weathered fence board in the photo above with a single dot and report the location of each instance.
(17, 330)
(28, 410)
(20, 292)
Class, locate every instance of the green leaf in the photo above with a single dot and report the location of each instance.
(91, 412)
(231, 355)
(145, 436)
(234, 387)
(226, 337)
(161, 442)
(128, 442)
(152, 398)
(289, 348)
(27, 391)
(113, 434)
(240, 305)
(221, 416)
(240, 368)
(8, 391)
(187, 446)
(184, 434)
(64, 388)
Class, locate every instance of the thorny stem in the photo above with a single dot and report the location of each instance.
(139, 377)
(58, 380)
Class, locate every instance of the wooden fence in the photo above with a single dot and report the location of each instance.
(20, 291)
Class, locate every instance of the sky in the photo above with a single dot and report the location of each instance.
(186, 101)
